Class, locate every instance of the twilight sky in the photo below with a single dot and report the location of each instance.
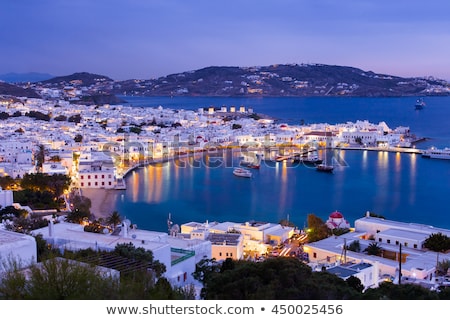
(146, 39)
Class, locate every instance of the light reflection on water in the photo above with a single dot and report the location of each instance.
(401, 187)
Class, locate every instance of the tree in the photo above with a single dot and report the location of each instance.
(373, 249)
(40, 157)
(114, 219)
(355, 246)
(317, 229)
(437, 242)
(355, 283)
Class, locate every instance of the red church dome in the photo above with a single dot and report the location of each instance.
(336, 215)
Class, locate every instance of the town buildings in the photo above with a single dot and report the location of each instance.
(401, 244)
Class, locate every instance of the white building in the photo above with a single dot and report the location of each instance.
(415, 261)
(177, 255)
(16, 248)
(6, 198)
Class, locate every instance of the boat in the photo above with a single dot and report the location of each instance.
(241, 172)
(324, 167)
(252, 164)
(420, 104)
(435, 153)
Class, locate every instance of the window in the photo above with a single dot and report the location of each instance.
(82, 184)
(96, 183)
(314, 255)
(103, 183)
(380, 240)
(103, 176)
(96, 176)
(89, 176)
(388, 240)
(82, 177)
(109, 183)
(397, 243)
(220, 254)
(89, 184)
(406, 244)
(415, 246)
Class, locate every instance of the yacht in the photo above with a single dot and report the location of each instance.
(434, 153)
(241, 172)
(420, 104)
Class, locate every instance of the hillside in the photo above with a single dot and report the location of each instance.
(282, 80)
(17, 91)
(80, 78)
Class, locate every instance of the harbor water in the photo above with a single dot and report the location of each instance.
(398, 186)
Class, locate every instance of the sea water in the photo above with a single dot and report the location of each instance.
(398, 186)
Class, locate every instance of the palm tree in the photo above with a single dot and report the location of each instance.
(114, 219)
(373, 249)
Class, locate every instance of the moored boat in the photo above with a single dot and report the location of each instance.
(324, 167)
(420, 104)
(241, 172)
(435, 153)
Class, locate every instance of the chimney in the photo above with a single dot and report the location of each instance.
(50, 229)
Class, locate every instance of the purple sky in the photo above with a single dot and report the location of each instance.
(146, 39)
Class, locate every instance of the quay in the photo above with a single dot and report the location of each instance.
(387, 149)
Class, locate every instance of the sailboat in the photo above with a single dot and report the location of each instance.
(324, 167)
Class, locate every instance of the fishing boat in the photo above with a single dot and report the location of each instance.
(241, 172)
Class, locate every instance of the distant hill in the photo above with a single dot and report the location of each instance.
(16, 91)
(282, 80)
(294, 80)
(79, 79)
(24, 77)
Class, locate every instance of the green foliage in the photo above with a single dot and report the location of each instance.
(355, 246)
(38, 115)
(136, 130)
(128, 250)
(7, 182)
(317, 229)
(75, 118)
(443, 267)
(355, 283)
(61, 117)
(114, 219)
(340, 231)
(78, 138)
(274, 279)
(373, 249)
(437, 242)
(391, 291)
(205, 268)
(40, 156)
(55, 183)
